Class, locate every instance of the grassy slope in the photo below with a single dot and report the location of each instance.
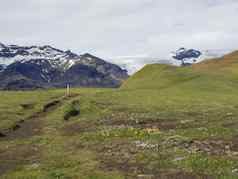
(160, 106)
(221, 72)
(209, 84)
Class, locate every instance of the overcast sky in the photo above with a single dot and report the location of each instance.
(112, 28)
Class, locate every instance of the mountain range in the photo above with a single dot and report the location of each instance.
(32, 67)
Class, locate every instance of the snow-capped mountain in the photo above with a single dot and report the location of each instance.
(44, 66)
(57, 58)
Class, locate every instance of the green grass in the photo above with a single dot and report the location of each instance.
(77, 156)
(11, 110)
(214, 166)
(149, 126)
(71, 110)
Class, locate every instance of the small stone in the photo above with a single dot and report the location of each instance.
(235, 153)
(144, 176)
(229, 114)
(235, 170)
(35, 165)
(227, 147)
(179, 159)
(185, 121)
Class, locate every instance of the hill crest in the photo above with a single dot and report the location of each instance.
(209, 74)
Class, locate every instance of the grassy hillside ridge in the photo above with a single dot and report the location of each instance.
(212, 74)
(227, 61)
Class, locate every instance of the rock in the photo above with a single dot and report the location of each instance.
(229, 114)
(145, 176)
(227, 147)
(145, 145)
(235, 170)
(179, 159)
(235, 153)
(177, 141)
(34, 166)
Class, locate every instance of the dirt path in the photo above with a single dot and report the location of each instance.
(32, 125)
(19, 154)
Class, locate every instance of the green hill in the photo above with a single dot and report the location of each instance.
(210, 75)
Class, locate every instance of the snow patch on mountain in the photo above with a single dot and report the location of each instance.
(57, 58)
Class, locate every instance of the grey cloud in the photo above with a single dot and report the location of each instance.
(121, 28)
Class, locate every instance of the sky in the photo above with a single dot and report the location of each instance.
(123, 29)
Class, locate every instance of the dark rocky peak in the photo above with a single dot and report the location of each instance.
(88, 56)
(184, 54)
(71, 55)
(50, 48)
(1, 67)
(91, 59)
(2, 46)
(103, 67)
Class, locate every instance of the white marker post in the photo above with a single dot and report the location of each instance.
(68, 90)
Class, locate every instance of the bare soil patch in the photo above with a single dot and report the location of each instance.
(126, 120)
(142, 124)
(121, 156)
(11, 158)
(79, 127)
(218, 147)
(178, 174)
